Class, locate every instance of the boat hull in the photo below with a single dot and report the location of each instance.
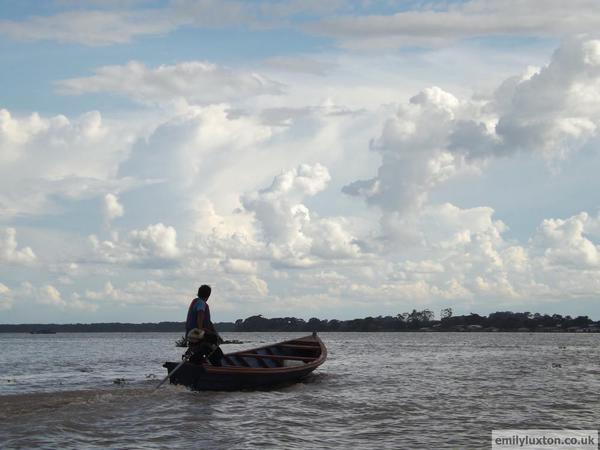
(196, 377)
(261, 368)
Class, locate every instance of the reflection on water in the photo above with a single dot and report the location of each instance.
(377, 390)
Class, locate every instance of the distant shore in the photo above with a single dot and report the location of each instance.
(422, 321)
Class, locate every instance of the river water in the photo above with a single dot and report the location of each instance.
(376, 390)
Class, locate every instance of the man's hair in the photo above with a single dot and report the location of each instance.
(204, 291)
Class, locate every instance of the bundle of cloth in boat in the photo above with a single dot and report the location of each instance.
(203, 346)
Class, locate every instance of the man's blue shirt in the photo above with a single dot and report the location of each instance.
(197, 305)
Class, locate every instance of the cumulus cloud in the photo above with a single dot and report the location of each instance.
(555, 110)
(278, 207)
(49, 295)
(111, 208)
(149, 293)
(332, 239)
(567, 242)
(44, 295)
(154, 245)
(196, 150)
(280, 214)
(551, 112)
(463, 255)
(156, 240)
(43, 158)
(164, 295)
(204, 158)
(293, 235)
(440, 23)
(415, 157)
(196, 82)
(6, 300)
(460, 244)
(202, 155)
(233, 265)
(9, 251)
(563, 258)
(457, 254)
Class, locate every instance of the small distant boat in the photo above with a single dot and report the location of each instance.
(42, 332)
(276, 364)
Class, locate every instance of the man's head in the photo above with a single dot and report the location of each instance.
(204, 291)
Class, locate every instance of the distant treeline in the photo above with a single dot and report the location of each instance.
(116, 327)
(425, 321)
(413, 321)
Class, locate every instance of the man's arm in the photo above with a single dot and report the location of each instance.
(200, 320)
(210, 327)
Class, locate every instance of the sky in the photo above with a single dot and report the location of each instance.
(334, 159)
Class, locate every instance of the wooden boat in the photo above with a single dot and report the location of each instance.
(282, 363)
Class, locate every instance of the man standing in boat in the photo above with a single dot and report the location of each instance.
(202, 337)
